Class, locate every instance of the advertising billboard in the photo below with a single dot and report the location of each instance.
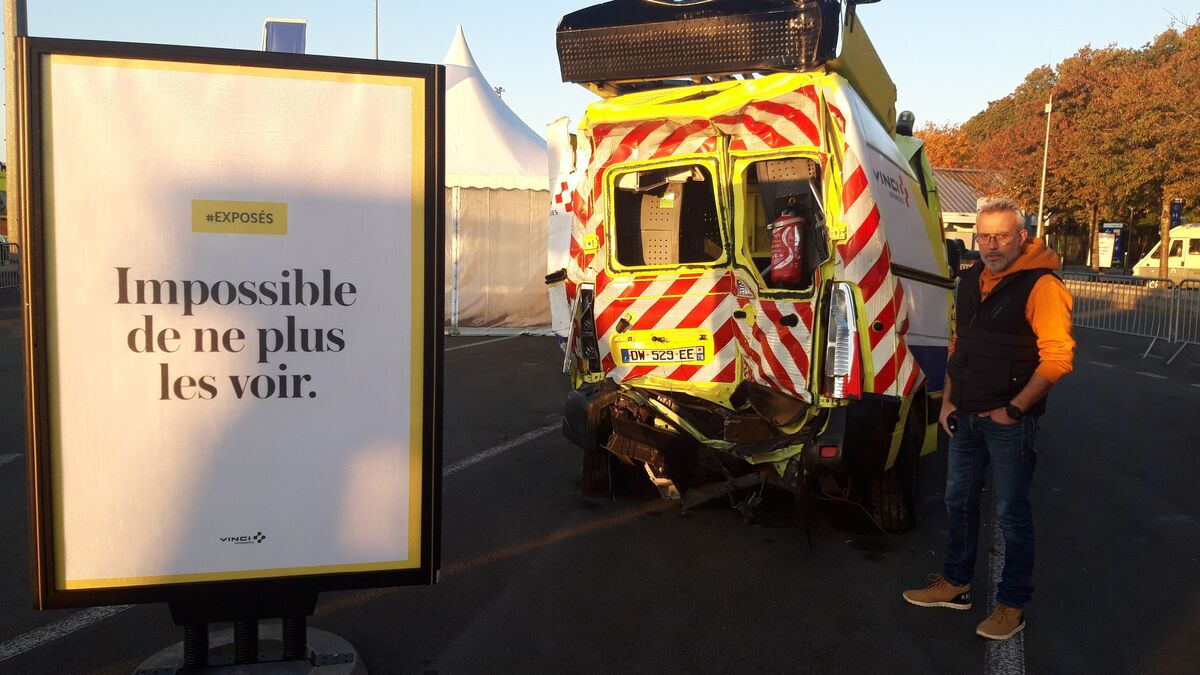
(234, 333)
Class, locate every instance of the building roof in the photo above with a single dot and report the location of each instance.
(960, 190)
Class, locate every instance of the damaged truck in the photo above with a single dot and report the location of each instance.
(747, 260)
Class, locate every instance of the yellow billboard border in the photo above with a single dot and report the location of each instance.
(417, 319)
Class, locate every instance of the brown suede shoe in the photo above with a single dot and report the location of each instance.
(940, 593)
(1003, 623)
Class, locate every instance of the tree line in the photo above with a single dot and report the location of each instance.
(1124, 138)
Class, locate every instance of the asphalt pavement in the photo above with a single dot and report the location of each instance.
(538, 579)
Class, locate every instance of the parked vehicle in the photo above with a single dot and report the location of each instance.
(756, 275)
(1183, 256)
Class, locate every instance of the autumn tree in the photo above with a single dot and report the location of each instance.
(1163, 123)
(946, 145)
(1123, 134)
(1008, 134)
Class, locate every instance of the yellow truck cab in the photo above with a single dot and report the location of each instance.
(748, 265)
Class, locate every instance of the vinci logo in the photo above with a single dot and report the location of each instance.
(256, 538)
(896, 186)
(228, 217)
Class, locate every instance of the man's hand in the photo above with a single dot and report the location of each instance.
(948, 409)
(999, 416)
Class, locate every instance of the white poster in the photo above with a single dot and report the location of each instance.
(1106, 243)
(234, 318)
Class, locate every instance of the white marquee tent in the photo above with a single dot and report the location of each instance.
(497, 206)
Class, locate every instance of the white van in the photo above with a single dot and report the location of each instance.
(1183, 258)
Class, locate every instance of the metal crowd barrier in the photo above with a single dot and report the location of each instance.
(1187, 315)
(1158, 309)
(10, 280)
(10, 269)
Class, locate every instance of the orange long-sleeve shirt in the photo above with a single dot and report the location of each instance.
(1048, 310)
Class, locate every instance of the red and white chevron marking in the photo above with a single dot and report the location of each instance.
(777, 355)
(666, 302)
(773, 354)
(793, 119)
(865, 260)
(614, 143)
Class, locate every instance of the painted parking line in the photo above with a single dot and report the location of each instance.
(40, 636)
(481, 342)
(1000, 657)
(1101, 363)
(499, 449)
(1154, 375)
(5, 459)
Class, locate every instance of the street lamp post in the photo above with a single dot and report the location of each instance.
(1045, 156)
(376, 30)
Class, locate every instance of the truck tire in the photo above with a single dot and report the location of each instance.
(595, 474)
(893, 494)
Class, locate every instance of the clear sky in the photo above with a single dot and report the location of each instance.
(949, 58)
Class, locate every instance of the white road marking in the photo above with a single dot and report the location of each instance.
(1101, 363)
(1154, 375)
(503, 447)
(1196, 386)
(481, 342)
(40, 636)
(1107, 347)
(1000, 657)
(5, 459)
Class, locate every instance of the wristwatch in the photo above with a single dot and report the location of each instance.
(1014, 412)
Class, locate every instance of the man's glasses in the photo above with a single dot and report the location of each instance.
(988, 239)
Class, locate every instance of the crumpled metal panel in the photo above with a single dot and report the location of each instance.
(639, 40)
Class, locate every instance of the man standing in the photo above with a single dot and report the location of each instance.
(1012, 341)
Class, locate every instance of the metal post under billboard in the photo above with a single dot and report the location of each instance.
(197, 353)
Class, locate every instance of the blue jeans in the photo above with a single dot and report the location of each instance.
(1010, 449)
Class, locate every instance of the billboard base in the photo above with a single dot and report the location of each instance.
(326, 654)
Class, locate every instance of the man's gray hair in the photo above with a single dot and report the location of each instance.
(1000, 204)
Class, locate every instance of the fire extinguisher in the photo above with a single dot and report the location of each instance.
(787, 249)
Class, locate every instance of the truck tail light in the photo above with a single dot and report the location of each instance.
(843, 362)
(583, 349)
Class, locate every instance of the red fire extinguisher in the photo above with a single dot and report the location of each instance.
(787, 249)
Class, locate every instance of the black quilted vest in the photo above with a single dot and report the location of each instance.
(996, 350)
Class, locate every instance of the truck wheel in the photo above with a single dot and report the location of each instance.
(595, 474)
(893, 495)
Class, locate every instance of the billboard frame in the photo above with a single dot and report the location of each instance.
(47, 595)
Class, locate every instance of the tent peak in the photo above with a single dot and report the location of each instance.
(459, 53)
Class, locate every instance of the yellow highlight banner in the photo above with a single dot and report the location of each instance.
(232, 217)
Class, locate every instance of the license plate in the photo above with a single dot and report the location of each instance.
(676, 355)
